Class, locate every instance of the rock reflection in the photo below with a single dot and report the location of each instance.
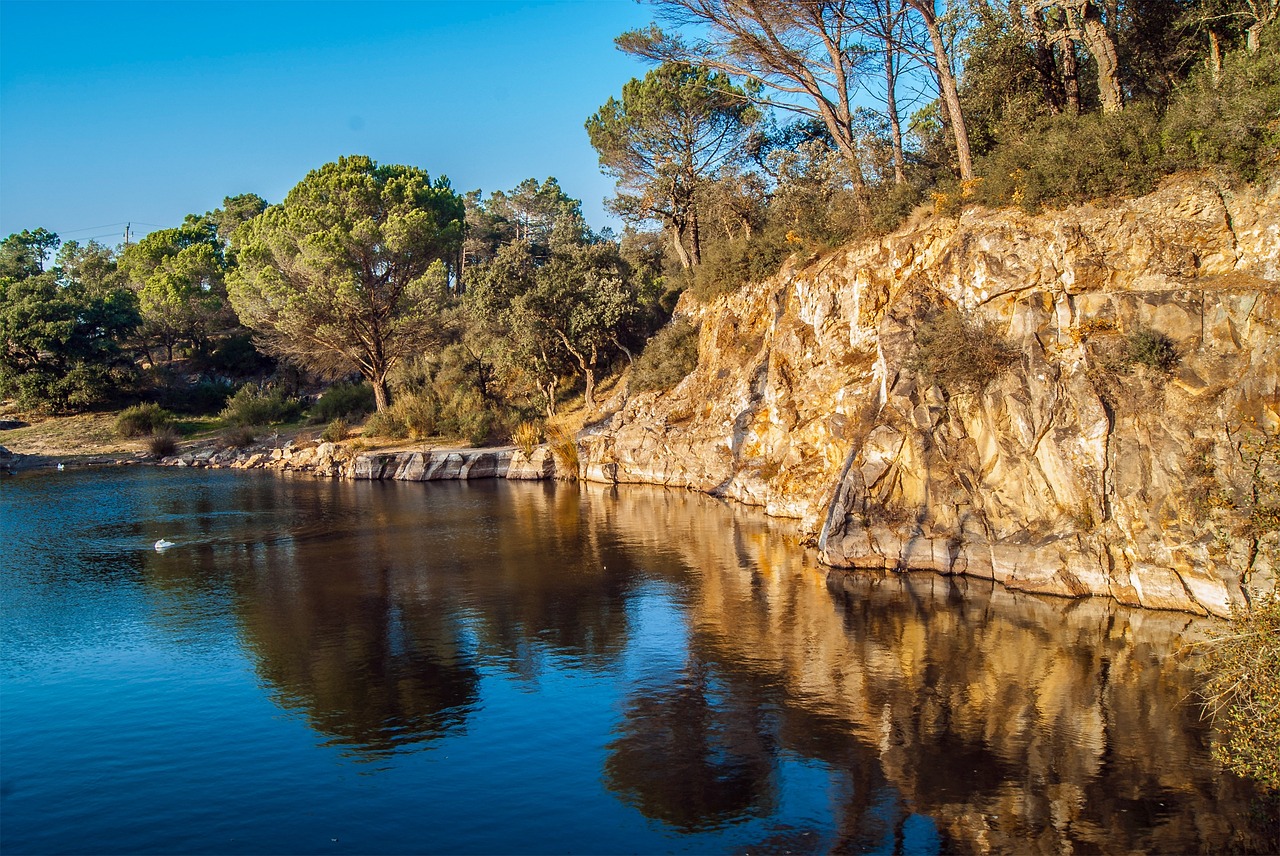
(933, 713)
(1017, 723)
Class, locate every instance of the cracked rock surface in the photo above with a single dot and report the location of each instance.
(1072, 472)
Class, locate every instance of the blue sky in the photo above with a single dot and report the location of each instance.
(143, 112)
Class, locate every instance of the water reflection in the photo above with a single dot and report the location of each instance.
(721, 685)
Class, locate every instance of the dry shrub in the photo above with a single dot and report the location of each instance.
(1241, 692)
(564, 447)
(163, 443)
(336, 431)
(527, 436)
(240, 437)
(961, 354)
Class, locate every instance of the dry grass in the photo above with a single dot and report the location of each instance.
(68, 436)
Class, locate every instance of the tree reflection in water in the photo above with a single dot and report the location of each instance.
(933, 713)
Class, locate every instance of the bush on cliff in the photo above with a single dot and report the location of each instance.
(960, 354)
(668, 358)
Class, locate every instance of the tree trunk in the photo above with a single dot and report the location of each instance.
(947, 87)
(677, 243)
(1099, 42)
(381, 397)
(1215, 59)
(1046, 65)
(895, 124)
(1070, 75)
(695, 237)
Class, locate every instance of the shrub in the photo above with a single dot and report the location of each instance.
(1241, 691)
(527, 436)
(1235, 123)
(1150, 348)
(143, 419)
(386, 423)
(163, 443)
(1063, 160)
(564, 448)
(250, 406)
(668, 358)
(349, 401)
(336, 431)
(240, 437)
(959, 354)
(729, 265)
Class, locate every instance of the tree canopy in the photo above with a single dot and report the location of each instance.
(61, 329)
(348, 272)
(670, 132)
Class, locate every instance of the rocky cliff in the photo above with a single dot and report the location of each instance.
(1074, 469)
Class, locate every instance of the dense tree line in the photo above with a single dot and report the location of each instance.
(763, 129)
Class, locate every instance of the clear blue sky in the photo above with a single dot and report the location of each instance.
(144, 112)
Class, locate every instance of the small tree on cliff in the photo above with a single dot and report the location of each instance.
(348, 272)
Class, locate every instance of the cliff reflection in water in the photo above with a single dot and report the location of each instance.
(946, 713)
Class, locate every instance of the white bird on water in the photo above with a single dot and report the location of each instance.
(163, 545)
(62, 466)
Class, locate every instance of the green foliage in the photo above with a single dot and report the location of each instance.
(729, 265)
(60, 340)
(163, 443)
(349, 401)
(236, 355)
(671, 131)
(1235, 123)
(960, 354)
(1241, 691)
(336, 431)
(251, 406)
(179, 278)
(143, 419)
(668, 358)
(1062, 160)
(348, 273)
(1150, 348)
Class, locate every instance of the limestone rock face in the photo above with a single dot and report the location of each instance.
(1072, 472)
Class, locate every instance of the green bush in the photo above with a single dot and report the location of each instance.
(960, 354)
(336, 431)
(251, 406)
(668, 358)
(1235, 123)
(349, 401)
(143, 419)
(1150, 348)
(729, 265)
(386, 423)
(1064, 160)
(1242, 692)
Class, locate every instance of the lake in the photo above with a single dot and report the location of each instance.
(494, 667)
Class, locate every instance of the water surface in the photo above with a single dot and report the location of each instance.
(488, 667)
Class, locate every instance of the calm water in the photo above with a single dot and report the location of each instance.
(324, 667)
